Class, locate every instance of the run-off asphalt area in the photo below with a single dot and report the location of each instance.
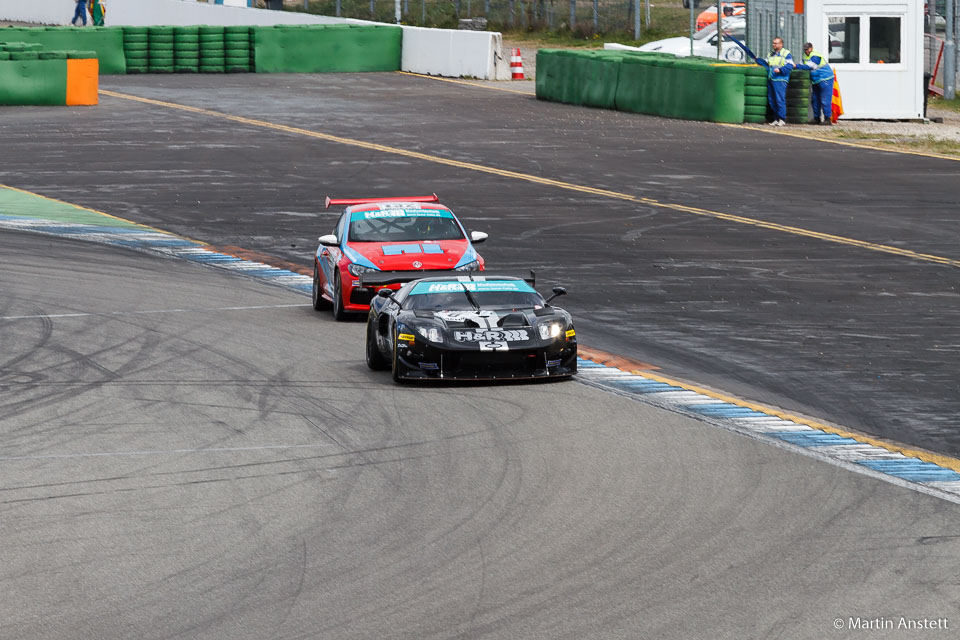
(844, 334)
(206, 457)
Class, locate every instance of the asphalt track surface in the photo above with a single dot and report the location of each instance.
(192, 454)
(848, 334)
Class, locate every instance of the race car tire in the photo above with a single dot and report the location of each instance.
(319, 302)
(338, 313)
(375, 359)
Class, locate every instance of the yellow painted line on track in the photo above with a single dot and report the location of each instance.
(467, 83)
(606, 193)
(99, 213)
(780, 132)
(926, 456)
(842, 143)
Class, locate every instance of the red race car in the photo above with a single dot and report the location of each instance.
(389, 241)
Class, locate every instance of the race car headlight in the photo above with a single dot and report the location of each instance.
(357, 269)
(470, 266)
(430, 333)
(550, 330)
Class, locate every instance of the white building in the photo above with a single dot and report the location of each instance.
(875, 46)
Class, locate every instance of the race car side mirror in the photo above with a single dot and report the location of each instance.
(557, 291)
(387, 293)
(328, 240)
(478, 236)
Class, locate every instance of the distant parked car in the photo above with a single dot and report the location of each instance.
(704, 42)
(730, 9)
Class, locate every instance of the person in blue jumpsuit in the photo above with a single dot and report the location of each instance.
(821, 84)
(80, 13)
(779, 64)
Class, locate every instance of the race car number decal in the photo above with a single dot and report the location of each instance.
(482, 336)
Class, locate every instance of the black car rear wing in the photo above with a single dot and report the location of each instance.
(385, 278)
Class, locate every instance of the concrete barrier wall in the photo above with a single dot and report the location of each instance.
(447, 52)
(443, 52)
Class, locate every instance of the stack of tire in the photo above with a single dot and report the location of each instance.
(798, 97)
(237, 49)
(212, 54)
(755, 95)
(135, 49)
(161, 49)
(186, 49)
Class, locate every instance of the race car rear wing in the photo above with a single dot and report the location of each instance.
(385, 278)
(349, 201)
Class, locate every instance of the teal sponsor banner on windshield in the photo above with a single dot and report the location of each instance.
(473, 286)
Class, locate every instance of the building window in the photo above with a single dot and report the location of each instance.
(885, 40)
(845, 39)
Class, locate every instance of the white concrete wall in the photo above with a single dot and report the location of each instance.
(443, 52)
(875, 91)
(448, 52)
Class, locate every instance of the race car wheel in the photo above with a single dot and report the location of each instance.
(338, 313)
(319, 302)
(375, 359)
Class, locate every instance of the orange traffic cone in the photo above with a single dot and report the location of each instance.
(516, 65)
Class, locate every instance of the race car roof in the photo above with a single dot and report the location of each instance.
(385, 206)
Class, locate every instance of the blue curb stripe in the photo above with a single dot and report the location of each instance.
(767, 425)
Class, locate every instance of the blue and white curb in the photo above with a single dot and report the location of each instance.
(165, 244)
(869, 459)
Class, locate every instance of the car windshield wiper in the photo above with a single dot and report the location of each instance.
(469, 295)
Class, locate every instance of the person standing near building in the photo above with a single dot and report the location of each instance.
(779, 64)
(821, 83)
(80, 13)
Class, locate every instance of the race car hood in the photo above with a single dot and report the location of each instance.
(488, 329)
(404, 256)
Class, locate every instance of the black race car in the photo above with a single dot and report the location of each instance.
(470, 327)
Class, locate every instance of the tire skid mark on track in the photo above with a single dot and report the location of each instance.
(516, 175)
(915, 469)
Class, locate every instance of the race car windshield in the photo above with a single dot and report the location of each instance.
(457, 301)
(401, 229)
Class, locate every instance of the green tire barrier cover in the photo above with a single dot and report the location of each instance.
(212, 60)
(24, 55)
(160, 48)
(237, 69)
(135, 30)
(4, 55)
(161, 39)
(33, 82)
(81, 55)
(167, 68)
(160, 30)
(237, 29)
(186, 30)
(204, 69)
(211, 28)
(53, 55)
(234, 60)
(237, 37)
(754, 90)
(131, 68)
(134, 46)
(193, 48)
(107, 42)
(755, 110)
(131, 38)
(186, 68)
(753, 81)
(755, 119)
(326, 48)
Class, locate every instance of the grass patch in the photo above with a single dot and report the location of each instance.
(935, 102)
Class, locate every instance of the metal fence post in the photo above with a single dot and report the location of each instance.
(573, 14)
(646, 4)
(691, 27)
(949, 54)
(338, 8)
(371, 9)
(636, 19)
(596, 16)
